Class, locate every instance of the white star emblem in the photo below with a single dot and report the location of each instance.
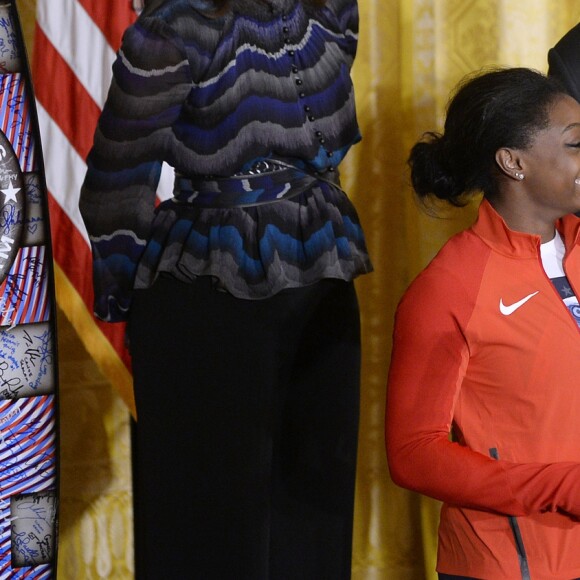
(10, 193)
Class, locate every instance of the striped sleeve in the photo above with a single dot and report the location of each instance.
(151, 78)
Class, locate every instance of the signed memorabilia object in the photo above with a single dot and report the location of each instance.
(28, 362)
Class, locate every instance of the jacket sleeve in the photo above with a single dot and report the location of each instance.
(429, 359)
(151, 79)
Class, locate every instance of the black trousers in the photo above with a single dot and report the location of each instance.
(247, 431)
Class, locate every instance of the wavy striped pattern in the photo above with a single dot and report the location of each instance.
(214, 97)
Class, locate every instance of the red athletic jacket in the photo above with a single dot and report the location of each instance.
(485, 347)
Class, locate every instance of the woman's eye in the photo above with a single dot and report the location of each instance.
(575, 145)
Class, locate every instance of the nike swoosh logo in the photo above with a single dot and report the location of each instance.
(506, 310)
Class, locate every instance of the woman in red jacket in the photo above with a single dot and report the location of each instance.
(487, 338)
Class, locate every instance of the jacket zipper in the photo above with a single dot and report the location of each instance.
(513, 521)
(522, 558)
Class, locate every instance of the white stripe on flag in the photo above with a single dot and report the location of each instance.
(65, 169)
(80, 42)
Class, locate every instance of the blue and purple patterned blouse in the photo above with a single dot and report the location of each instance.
(221, 99)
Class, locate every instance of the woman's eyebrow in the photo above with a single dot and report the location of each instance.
(570, 127)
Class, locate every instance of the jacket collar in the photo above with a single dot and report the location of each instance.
(493, 230)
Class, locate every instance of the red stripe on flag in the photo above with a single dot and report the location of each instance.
(72, 108)
(74, 111)
(74, 257)
(111, 21)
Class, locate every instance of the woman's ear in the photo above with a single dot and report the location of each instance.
(510, 163)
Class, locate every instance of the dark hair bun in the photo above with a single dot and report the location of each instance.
(431, 173)
(499, 108)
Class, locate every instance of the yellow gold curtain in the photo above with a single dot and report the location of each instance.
(411, 53)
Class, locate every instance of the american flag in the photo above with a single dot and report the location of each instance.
(74, 50)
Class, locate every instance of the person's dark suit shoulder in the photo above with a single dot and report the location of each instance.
(564, 61)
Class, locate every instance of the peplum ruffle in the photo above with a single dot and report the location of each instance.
(256, 251)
